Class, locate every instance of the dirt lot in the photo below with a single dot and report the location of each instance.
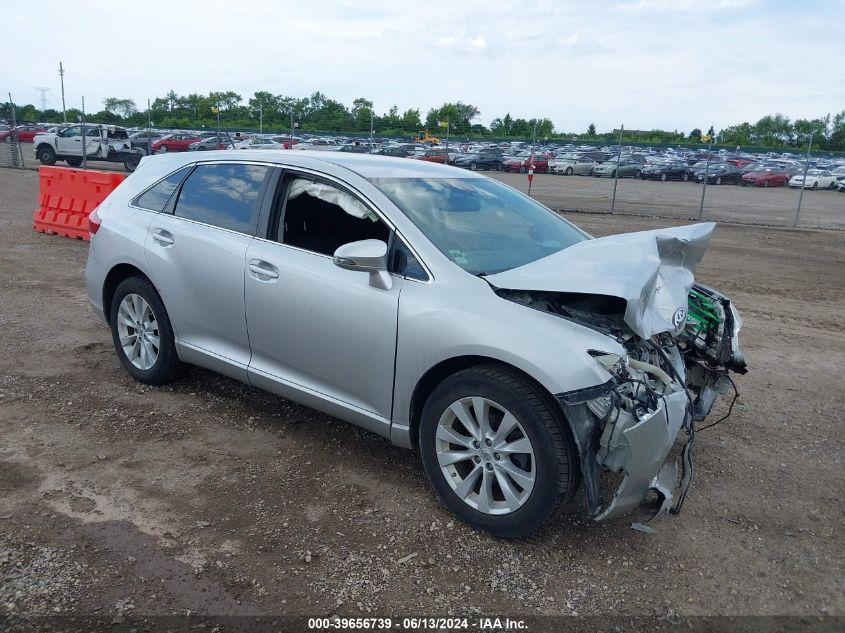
(211, 497)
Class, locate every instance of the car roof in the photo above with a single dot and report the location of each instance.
(365, 165)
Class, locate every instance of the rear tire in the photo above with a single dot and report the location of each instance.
(766, 184)
(73, 162)
(473, 167)
(815, 186)
(131, 162)
(150, 326)
(507, 507)
(664, 177)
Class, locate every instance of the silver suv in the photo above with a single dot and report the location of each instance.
(433, 306)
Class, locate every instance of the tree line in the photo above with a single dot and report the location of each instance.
(320, 113)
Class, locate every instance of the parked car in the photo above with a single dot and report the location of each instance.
(436, 155)
(107, 143)
(581, 166)
(208, 143)
(259, 143)
(395, 151)
(143, 139)
(444, 311)
(177, 142)
(815, 179)
(627, 168)
(676, 170)
(523, 163)
(765, 177)
(24, 133)
(720, 174)
(483, 159)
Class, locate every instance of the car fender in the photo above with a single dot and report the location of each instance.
(441, 322)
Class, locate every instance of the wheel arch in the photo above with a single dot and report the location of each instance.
(115, 276)
(435, 375)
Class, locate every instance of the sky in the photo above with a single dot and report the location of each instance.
(668, 64)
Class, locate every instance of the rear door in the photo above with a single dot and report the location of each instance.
(196, 250)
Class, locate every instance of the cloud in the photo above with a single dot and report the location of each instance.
(682, 6)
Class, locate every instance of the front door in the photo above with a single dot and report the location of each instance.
(312, 325)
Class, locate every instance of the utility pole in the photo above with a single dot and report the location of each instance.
(260, 119)
(371, 129)
(42, 97)
(291, 128)
(149, 129)
(84, 134)
(62, 79)
(803, 182)
(706, 172)
(616, 171)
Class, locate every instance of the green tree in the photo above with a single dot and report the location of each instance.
(741, 134)
(123, 108)
(591, 130)
(411, 120)
(361, 111)
(695, 135)
(459, 116)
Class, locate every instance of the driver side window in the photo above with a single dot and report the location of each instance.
(69, 132)
(320, 217)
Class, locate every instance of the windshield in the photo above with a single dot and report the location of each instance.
(480, 224)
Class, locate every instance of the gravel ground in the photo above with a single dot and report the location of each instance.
(210, 497)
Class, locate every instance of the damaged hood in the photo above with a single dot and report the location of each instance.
(651, 270)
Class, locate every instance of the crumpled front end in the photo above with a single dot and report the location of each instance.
(629, 427)
(664, 385)
(681, 341)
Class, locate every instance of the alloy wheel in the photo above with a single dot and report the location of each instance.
(138, 330)
(485, 455)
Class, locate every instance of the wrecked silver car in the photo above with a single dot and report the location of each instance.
(427, 304)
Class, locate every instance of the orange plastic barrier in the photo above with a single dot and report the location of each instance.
(67, 196)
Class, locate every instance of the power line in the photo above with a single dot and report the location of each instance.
(43, 96)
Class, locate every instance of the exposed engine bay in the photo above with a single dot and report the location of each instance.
(665, 383)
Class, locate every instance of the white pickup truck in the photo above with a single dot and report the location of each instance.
(102, 142)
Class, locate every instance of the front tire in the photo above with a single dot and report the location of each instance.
(47, 155)
(496, 451)
(142, 334)
(568, 171)
(473, 167)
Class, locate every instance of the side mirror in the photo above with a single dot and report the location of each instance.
(367, 256)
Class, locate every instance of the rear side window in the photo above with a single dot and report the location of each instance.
(155, 198)
(224, 195)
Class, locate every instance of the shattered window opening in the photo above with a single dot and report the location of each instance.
(319, 217)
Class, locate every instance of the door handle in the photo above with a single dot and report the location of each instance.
(162, 237)
(264, 271)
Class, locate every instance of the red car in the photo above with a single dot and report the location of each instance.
(435, 156)
(765, 178)
(24, 133)
(522, 165)
(174, 142)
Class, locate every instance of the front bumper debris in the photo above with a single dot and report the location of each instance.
(646, 445)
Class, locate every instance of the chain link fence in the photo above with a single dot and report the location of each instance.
(704, 182)
(728, 186)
